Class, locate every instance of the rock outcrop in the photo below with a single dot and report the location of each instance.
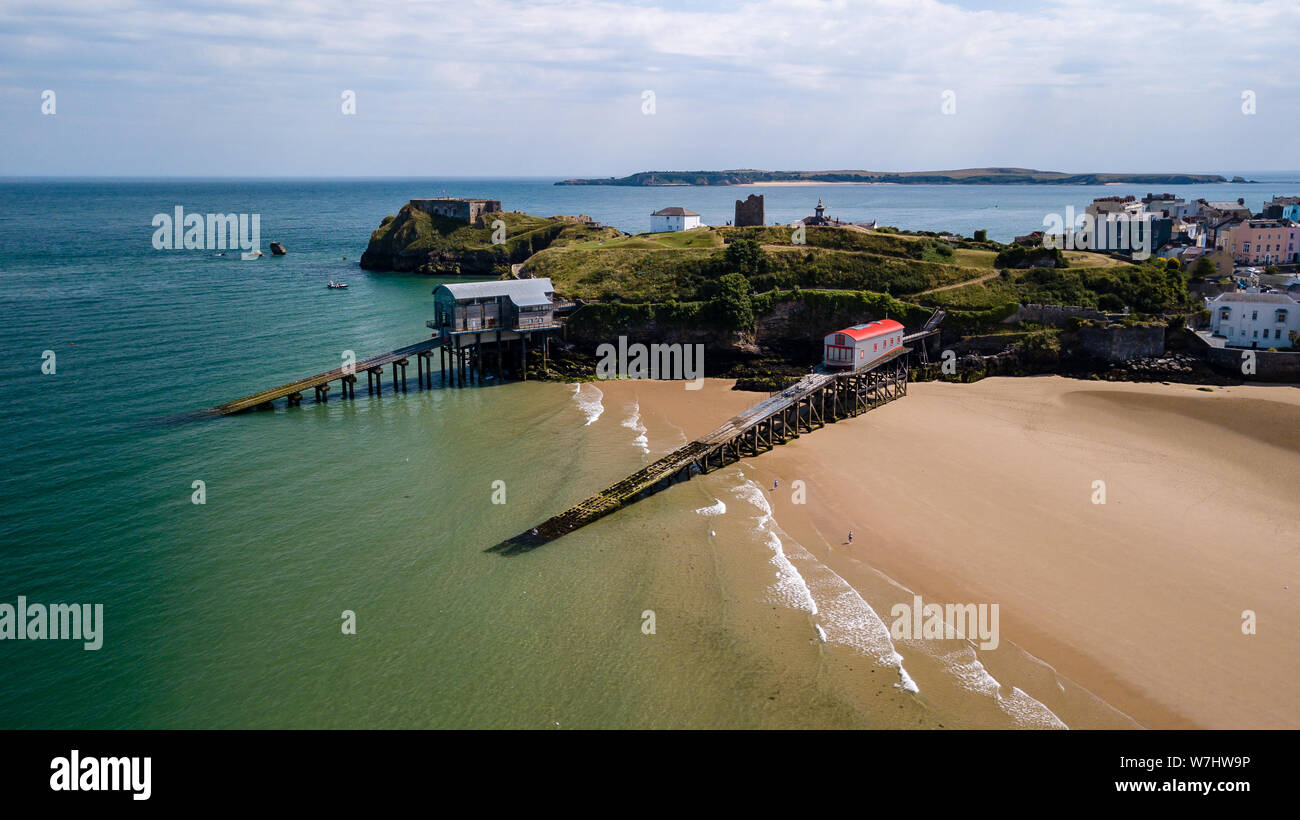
(420, 242)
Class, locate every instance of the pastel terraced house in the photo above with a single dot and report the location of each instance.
(1263, 242)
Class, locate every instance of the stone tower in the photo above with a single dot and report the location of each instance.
(750, 212)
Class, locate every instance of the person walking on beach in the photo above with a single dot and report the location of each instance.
(775, 483)
(850, 536)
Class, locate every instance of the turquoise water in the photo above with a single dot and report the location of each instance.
(228, 613)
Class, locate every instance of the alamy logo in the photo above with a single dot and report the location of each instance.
(39, 622)
(102, 774)
(208, 232)
(1083, 232)
(658, 361)
(937, 622)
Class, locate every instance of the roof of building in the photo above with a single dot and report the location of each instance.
(530, 299)
(1270, 298)
(880, 327)
(674, 211)
(1269, 223)
(516, 289)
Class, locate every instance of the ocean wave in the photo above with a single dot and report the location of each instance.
(717, 508)
(1020, 706)
(633, 422)
(843, 617)
(590, 401)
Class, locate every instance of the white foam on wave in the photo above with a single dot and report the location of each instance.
(843, 616)
(1020, 706)
(590, 401)
(716, 508)
(964, 665)
(789, 588)
(633, 422)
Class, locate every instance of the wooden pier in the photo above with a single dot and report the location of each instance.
(813, 402)
(346, 377)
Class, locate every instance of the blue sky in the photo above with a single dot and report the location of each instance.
(555, 88)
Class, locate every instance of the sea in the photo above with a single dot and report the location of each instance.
(337, 572)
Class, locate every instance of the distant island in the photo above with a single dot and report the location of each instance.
(967, 176)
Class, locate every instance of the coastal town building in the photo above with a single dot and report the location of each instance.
(1106, 206)
(1216, 232)
(1226, 210)
(856, 346)
(1166, 205)
(673, 219)
(819, 217)
(1189, 255)
(1263, 241)
(1253, 319)
(1283, 207)
(461, 210)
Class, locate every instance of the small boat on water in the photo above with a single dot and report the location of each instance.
(336, 285)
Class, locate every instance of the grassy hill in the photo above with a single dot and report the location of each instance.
(684, 265)
(415, 241)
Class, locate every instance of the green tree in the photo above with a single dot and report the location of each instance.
(1204, 269)
(981, 236)
(733, 305)
(745, 256)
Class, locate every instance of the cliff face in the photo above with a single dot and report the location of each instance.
(415, 241)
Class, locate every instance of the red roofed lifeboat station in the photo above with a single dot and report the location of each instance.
(860, 345)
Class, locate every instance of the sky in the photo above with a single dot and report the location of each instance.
(559, 88)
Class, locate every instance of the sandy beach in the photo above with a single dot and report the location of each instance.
(1127, 612)
(801, 183)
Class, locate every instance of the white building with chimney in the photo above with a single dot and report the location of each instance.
(673, 219)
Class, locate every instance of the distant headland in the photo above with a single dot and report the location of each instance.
(966, 176)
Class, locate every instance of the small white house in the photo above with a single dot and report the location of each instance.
(673, 219)
(1253, 319)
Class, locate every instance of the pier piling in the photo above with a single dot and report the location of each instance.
(777, 420)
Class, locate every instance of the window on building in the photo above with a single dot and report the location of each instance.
(1281, 315)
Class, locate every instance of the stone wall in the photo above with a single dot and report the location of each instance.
(463, 210)
(750, 212)
(1277, 366)
(1051, 314)
(1119, 344)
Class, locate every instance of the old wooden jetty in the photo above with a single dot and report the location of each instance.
(346, 376)
(811, 403)
(480, 326)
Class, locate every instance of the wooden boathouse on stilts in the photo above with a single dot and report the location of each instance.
(485, 329)
(482, 331)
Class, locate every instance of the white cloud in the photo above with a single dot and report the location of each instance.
(555, 70)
